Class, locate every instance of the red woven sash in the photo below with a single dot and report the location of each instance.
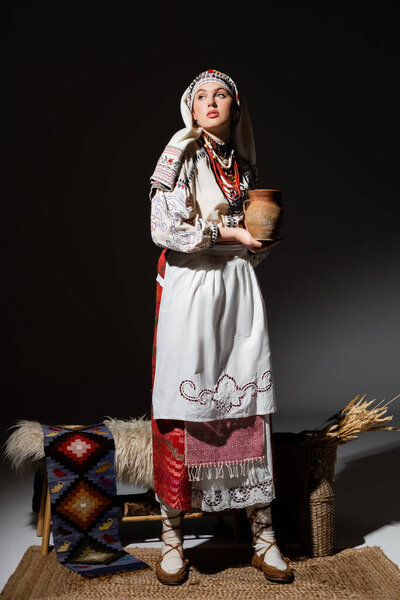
(171, 481)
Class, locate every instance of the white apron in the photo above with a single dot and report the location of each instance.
(213, 357)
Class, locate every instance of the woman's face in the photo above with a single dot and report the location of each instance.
(213, 109)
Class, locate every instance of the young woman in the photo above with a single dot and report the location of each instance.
(213, 391)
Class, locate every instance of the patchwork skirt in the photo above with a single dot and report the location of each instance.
(212, 382)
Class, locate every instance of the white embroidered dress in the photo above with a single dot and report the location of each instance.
(213, 356)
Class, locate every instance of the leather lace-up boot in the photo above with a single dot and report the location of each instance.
(267, 556)
(172, 568)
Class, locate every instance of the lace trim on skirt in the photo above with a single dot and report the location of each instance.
(214, 500)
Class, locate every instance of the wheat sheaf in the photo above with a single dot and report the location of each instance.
(358, 416)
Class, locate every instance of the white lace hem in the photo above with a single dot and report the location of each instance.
(213, 500)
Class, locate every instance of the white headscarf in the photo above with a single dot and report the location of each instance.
(168, 165)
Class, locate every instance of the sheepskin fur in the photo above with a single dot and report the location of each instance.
(25, 444)
(133, 451)
(133, 448)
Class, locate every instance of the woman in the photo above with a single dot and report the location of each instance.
(212, 379)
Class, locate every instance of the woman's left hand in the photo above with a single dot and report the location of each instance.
(245, 238)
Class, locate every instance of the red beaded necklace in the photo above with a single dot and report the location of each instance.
(228, 178)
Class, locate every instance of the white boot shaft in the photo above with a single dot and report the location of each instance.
(172, 518)
(263, 533)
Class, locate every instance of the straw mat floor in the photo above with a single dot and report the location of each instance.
(353, 574)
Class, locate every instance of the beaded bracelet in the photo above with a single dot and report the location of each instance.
(214, 234)
(231, 220)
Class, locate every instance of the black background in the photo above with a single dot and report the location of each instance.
(92, 96)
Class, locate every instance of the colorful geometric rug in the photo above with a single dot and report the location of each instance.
(82, 487)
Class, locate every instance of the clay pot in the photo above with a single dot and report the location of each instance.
(262, 214)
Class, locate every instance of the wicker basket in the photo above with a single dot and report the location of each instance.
(304, 507)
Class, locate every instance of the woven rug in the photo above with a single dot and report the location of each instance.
(353, 574)
(82, 487)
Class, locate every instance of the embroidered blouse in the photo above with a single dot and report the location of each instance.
(185, 219)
